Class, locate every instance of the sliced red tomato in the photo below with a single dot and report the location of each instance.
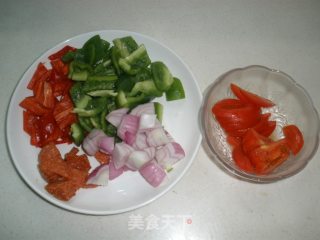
(241, 160)
(226, 104)
(265, 127)
(269, 156)
(249, 97)
(294, 138)
(233, 141)
(61, 53)
(41, 69)
(232, 114)
(252, 140)
(237, 133)
(237, 91)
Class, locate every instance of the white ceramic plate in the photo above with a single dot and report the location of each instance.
(129, 191)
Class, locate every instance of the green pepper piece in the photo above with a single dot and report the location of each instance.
(95, 121)
(137, 60)
(161, 75)
(115, 55)
(146, 87)
(83, 101)
(158, 108)
(111, 77)
(176, 91)
(76, 92)
(95, 106)
(79, 98)
(85, 123)
(90, 86)
(130, 102)
(77, 133)
(125, 83)
(68, 57)
(103, 121)
(111, 131)
(125, 45)
(95, 49)
(80, 76)
(103, 93)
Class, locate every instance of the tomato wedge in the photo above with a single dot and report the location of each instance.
(249, 97)
(248, 131)
(232, 114)
(233, 140)
(265, 127)
(252, 140)
(241, 160)
(269, 156)
(294, 138)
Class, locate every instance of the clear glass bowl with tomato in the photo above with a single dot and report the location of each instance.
(290, 105)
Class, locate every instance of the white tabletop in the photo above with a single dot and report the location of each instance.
(211, 37)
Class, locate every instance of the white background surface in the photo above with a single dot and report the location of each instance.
(211, 37)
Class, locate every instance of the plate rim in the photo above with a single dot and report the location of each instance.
(61, 204)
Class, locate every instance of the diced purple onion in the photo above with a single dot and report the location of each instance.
(113, 172)
(129, 123)
(120, 154)
(147, 108)
(129, 138)
(115, 116)
(140, 141)
(106, 144)
(99, 176)
(137, 159)
(151, 151)
(90, 143)
(169, 154)
(157, 137)
(153, 173)
(147, 121)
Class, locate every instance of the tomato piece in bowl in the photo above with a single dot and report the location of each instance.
(249, 97)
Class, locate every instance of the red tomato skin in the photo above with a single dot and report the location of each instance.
(238, 93)
(252, 140)
(233, 141)
(232, 114)
(269, 156)
(249, 97)
(294, 138)
(241, 160)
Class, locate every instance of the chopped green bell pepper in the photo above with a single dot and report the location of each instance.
(176, 91)
(146, 87)
(161, 75)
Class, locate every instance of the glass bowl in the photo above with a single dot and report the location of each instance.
(293, 106)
